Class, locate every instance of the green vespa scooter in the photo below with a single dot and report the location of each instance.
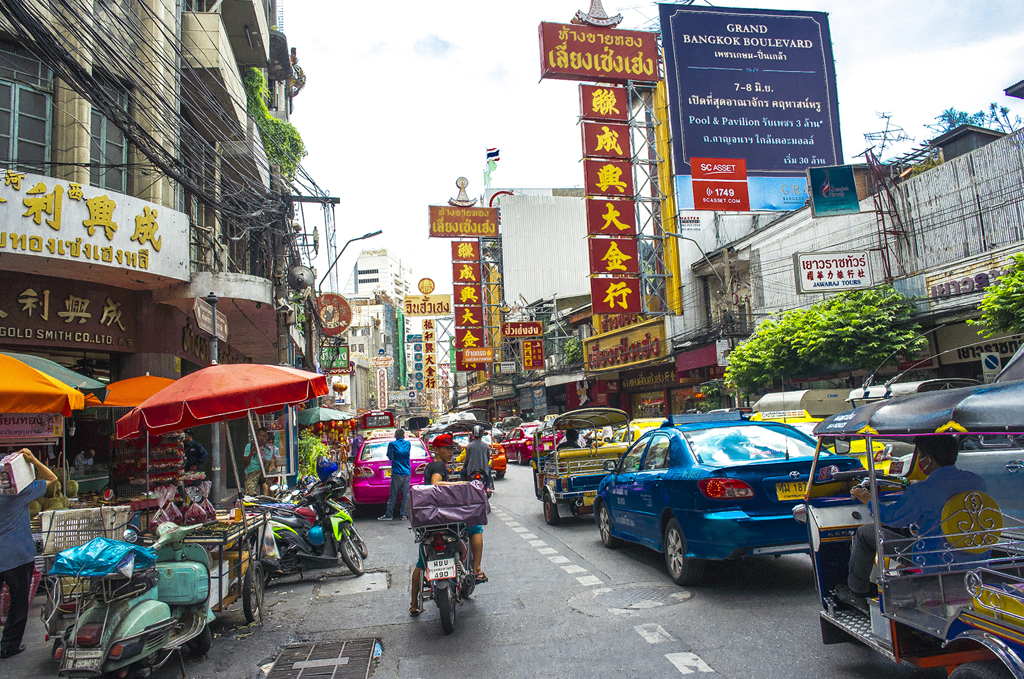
(129, 626)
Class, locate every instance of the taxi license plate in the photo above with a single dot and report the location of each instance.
(441, 569)
(387, 473)
(791, 490)
(588, 497)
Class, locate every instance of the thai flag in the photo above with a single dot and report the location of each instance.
(492, 154)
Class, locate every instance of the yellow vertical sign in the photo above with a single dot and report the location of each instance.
(669, 217)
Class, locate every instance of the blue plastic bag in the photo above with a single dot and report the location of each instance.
(102, 556)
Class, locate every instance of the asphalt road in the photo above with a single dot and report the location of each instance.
(558, 604)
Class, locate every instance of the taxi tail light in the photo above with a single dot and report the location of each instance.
(421, 468)
(89, 635)
(720, 488)
(363, 472)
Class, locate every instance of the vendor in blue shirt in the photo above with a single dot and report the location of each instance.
(19, 552)
(920, 506)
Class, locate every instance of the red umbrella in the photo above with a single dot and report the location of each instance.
(221, 392)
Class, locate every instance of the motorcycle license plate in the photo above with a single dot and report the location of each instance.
(81, 659)
(441, 569)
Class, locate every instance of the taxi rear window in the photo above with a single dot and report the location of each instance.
(375, 451)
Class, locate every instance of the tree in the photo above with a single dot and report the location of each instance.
(1002, 307)
(863, 329)
(996, 117)
(573, 351)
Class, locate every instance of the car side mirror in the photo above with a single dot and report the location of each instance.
(608, 466)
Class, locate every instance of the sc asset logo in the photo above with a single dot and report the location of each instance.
(708, 169)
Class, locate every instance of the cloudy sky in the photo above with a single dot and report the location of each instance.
(404, 96)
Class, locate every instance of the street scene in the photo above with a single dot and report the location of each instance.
(556, 338)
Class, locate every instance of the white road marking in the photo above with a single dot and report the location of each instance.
(558, 559)
(515, 523)
(574, 569)
(653, 633)
(589, 580)
(528, 536)
(537, 543)
(520, 530)
(600, 590)
(687, 663)
(547, 550)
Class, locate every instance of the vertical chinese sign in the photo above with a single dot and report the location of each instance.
(599, 53)
(470, 333)
(611, 210)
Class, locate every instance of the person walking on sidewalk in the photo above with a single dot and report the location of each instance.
(398, 452)
(18, 554)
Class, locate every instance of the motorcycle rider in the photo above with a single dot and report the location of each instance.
(436, 473)
(478, 457)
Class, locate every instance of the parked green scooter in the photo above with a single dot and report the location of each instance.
(128, 626)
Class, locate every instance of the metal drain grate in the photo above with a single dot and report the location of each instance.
(346, 659)
(644, 597)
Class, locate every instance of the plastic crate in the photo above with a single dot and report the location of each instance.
(66, 528)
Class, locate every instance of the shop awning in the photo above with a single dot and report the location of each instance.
(130, 392)
(314, 415)
(27, 390)
(84, 384)
(555, 380)
(697, 358)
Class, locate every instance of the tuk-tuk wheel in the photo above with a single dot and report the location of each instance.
(551, 512)
(684, 570)
(982, 669)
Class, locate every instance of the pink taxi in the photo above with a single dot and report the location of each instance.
(371, 473)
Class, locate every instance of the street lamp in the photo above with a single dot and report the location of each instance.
(363, 237)
(681, 237)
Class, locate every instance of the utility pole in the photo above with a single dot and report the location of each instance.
(218, 462)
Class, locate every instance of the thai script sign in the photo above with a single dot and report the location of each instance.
(636, 344)
(15, 426)
(753, 84)
(427, 305)
(831, 271)
(458, 222)
(203, 313)
(650, 378)
(522, 329)
(956, 281)
(570, 52)
(833, 191)
(382, 361)
(51, 218)
(533, 355)
(480, 355)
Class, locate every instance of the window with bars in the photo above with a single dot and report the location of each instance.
(108, 152)
(25, 110)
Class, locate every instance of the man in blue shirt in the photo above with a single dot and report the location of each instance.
(195, 454)
(398, 452)
(19, 552)
(920, 505)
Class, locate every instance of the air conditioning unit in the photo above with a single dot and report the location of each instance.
(551, 362)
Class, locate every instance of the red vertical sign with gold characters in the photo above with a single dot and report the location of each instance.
(611, 217)
(603, 102)
(616, 295)
(533, 354)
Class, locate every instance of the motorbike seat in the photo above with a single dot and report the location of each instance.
(291, 520)
(306, 512)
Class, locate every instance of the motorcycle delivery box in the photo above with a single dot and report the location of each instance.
(431, 505)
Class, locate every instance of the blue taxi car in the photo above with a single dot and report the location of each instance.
(713, 486)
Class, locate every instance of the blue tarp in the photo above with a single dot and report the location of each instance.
(101, 556)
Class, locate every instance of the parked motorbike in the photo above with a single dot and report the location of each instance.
(448, 577)
(132, 624)
(316, 533)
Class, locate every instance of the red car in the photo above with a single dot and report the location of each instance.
(518, 444)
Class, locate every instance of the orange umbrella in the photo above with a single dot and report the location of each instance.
(26, 390)
(130, 392)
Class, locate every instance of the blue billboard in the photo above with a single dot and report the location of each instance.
(753, 84)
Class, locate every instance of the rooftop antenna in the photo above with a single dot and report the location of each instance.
(892, 134)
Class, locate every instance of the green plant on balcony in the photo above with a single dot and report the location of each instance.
(281, 140)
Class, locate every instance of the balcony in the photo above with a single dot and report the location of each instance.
(250, 156)
(212, 69)
(248, 31)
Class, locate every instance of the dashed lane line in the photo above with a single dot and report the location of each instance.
(538, 543)
(528, 536)
(558, 559)
(589, 580)
(688, 663)
(573, 568)
(547, 550)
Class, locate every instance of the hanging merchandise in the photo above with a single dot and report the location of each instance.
(168, 510)
(201, 510)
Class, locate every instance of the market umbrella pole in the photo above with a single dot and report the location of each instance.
(241, 492)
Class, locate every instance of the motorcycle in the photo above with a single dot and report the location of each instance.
(132, 622)
(315, 533)
(448, 577)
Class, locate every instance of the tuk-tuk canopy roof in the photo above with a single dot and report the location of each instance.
(465, 425)
(590, 418)
(992, 408)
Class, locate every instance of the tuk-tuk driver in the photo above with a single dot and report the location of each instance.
(436, 473)
(572, 439)
(920, 505)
